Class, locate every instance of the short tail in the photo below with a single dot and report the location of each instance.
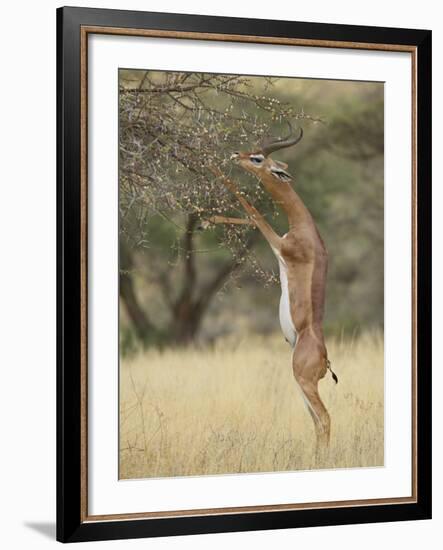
(334, 376)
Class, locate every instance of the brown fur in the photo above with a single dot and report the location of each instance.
(306, 259)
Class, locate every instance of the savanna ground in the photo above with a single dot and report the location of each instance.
(235, 408)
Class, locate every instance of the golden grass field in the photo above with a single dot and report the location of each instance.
(235, 408)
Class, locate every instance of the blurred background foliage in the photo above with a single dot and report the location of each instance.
(181, 285)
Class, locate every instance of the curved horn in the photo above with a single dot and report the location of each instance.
(268, 146)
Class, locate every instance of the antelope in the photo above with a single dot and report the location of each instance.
(303, 261)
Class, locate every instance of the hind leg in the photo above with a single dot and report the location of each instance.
(309, 367)
(321, 434)
(320, 416)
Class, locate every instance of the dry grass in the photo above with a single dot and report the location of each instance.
(235, 408)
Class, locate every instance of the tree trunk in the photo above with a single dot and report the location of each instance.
(190, 307)
(186, 316)
(139, 319)
(189, 310)
(186, 323)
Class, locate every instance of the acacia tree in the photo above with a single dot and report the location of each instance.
(173, 126)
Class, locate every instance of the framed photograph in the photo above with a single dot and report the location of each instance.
(244, 274)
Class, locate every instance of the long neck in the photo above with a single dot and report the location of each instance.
(290, 202)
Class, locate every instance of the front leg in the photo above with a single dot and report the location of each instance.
(266, 230)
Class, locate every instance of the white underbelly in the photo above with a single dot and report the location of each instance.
(286, 322)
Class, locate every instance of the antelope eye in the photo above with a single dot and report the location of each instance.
(256, 159)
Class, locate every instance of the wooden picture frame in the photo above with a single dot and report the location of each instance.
(74, 25)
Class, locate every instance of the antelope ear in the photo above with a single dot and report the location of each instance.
(281, 174)
(281, 164)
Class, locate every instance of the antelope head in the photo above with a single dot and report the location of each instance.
(270, 172)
